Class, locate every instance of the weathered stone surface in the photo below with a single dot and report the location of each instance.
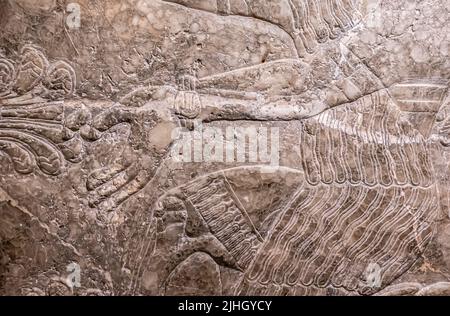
(224, 147)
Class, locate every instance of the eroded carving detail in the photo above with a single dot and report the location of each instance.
(32, 129)
(308, 22)
(369, 196)
(357, 89)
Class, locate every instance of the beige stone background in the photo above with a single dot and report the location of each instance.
(94, 183)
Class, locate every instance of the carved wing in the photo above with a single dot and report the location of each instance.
(371, 201)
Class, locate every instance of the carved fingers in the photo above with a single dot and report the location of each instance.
(110, 186)
(187, 101)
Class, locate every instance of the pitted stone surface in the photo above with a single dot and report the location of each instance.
(224, 147)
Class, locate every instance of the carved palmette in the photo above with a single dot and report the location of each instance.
(32, 129)
(30, 134)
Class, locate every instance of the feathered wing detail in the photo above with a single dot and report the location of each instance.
(370, 202)
(365, 143)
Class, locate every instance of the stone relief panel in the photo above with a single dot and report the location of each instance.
(237, 147)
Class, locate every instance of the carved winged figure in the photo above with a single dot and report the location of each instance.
(366, 196)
